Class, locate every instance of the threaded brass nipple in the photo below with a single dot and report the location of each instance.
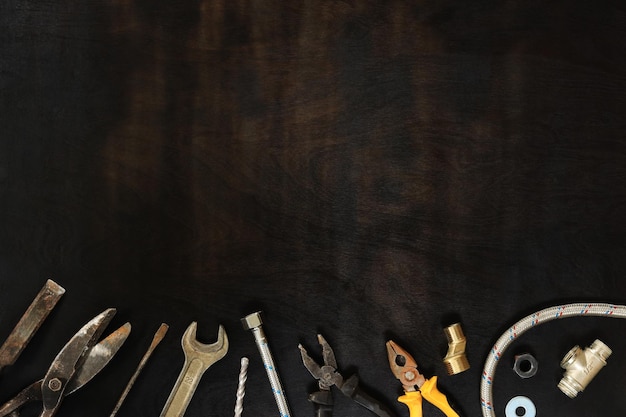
(455, 360)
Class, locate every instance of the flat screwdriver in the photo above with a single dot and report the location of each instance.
(158, 336)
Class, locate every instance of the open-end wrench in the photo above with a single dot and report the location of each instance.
(198, 358)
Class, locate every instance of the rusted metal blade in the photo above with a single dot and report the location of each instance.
(77, 363)
(404, 367)
(95, 360)
(30, 322)
(327, 352)
(71, 358)
(98, 357)
(312, 366)
(326, 374)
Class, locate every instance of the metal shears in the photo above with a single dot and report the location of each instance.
(327, 376)
(414, 384)
(75, 365)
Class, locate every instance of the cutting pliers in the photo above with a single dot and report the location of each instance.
(328, 376)
(415, 385)
(79, 361)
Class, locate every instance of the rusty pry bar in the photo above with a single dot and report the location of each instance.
(30, 322)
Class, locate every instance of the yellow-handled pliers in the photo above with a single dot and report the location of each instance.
(415, 385)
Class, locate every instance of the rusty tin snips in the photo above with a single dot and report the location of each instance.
(75, 365)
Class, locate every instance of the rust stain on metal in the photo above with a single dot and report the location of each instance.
(30, 322)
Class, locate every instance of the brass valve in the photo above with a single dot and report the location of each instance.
(455, 360)
(581, 366)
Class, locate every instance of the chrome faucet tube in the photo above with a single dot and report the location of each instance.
(254, 323)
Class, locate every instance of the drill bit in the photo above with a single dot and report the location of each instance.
(241, 387)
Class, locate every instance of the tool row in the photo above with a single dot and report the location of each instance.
(85, 355)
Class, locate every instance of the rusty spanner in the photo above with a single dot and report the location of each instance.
(198, 358)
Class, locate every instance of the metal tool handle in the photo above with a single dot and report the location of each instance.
(371, 404)
(184, 388)
(30, 322)
(322, 410)
(351, 389)
(323, 401)
(31, 393)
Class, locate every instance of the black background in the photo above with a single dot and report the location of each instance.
(364, 169)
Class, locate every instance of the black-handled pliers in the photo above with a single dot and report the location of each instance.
(327, 376)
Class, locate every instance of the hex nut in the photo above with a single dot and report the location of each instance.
(525, 365)
(55, 384)
(252, 320)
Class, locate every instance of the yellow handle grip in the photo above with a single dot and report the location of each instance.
(413, 400)
(431, 393)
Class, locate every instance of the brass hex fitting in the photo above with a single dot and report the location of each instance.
(455, 360)
(581, 366)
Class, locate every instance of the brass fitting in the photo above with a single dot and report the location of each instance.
(581, 366)
(455, 360)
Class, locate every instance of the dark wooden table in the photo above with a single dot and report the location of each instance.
(367, 170)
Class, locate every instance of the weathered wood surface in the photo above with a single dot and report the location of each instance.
(362, 169)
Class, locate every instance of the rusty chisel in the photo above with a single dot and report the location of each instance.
(32, 319)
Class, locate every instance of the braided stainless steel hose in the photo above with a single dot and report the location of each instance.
(527, 323)
(254, 323)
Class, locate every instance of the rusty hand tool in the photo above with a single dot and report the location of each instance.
(75, 365)
(32, 319)
(415, 385)
(198, 358)
(158, 336)
(328, 376)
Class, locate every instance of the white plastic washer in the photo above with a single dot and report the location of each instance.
(520, 402)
